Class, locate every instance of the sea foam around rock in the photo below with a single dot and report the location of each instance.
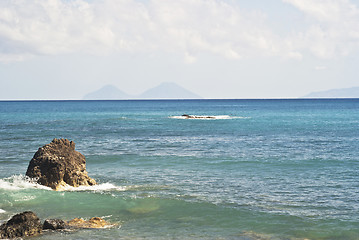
(207, 117)
(21, 182)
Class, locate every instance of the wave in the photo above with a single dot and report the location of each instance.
(206, 117)
(109, 187)
(2, 211)
(20, 182)
(95, 188)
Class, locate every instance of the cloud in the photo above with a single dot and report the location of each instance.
(320, 68)
(54, 26)
(333, 30)
(49, 27)
(212, 26)
(186, 27)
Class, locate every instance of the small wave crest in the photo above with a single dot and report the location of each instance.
(206, 117)
(109, 187)
(2, 211)
(95, 188)
(19, 182)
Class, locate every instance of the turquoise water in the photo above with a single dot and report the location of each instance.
(263, 169)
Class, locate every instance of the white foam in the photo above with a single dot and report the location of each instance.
(95, 188)
(19, 182)
(25, 198)
(206, 117)
(2, 211)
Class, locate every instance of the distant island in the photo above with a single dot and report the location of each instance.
(107, 92)
(166, 90)
(335, 93)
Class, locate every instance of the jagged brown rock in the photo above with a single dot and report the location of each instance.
(21, 225)
(57, 164)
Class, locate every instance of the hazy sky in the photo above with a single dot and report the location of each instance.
(63, 49)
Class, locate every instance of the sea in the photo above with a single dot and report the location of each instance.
(280, 169)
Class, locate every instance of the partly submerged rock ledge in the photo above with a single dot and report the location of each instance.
(57, 165)
(27, 224)
(76, 223)
(94, 222)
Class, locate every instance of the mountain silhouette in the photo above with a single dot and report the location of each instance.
(108, 92)
(336, 93)
(166, 90)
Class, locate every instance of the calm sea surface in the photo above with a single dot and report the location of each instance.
(262, 169)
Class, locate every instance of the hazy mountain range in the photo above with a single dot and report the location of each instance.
(166, 90)
(336, 93)
(170, 90)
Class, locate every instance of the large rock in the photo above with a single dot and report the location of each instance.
(21, 225)
(57, 165)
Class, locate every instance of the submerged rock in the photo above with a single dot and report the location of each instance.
(197, 117)
(94, 222)
(21, 225)
(54, 224)
(57, 165)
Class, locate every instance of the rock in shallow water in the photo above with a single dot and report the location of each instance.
(76, 223)
(58, 164)
(94, 222)
(21, 225)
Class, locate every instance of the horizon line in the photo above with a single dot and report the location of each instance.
(168, 99)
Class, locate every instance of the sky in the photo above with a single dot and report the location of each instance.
(64, 49)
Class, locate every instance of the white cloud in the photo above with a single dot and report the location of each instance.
(334, 28)
(100, 27)
(212, 26)
(188, 27)
(54, 26)
(326, 10)
(320, 68)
